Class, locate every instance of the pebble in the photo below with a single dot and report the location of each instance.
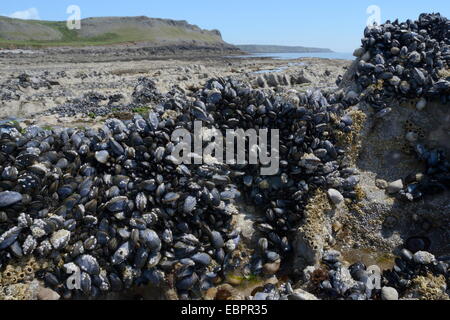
(335, 196)
(421, 104)
(381, 184)
(300, 294)
(337, 226)
(423, 257)
(47, 294)
(395, 186)
(272, 268)
(102, 156)
(412, 137)
(389, 293)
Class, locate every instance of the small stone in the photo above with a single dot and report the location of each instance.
(395, 186)
(388, 293)
(421, 104)
(335, 196)
(260, 296)
(264, 185)
(230, 245)
(423, 257)
(395, 81)
(234, 280)
(300, 294)
(395, 51)
(337, 226)
(412, 137)
(272, 268)
(381, 184)
(420, 177)
(102, 156)
(47, 294)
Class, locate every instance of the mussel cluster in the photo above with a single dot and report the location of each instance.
(114, 204)
(416, 274)
(409, 60)
(434, 180)
(405, 60)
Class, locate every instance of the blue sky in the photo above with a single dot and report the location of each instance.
(318, 23)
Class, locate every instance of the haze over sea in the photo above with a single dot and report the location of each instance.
(298, 55)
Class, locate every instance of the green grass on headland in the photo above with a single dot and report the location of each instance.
(23, 33)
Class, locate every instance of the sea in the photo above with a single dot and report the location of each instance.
(297, 55)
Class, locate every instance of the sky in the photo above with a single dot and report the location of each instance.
(337, 25)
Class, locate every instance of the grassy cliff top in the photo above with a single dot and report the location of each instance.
(102, 31)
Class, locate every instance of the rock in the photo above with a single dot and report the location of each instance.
(412, 137)
(421, 104)
(423, 257)
(388, 293)
(60, 239)
(395, 51)
(335, 196)
(260, 296)
(300, 294)
(47, 294)
(272, 268)
(9, 198)
(337, 226)
(102, 156)
(308, 251)
(395, 186)
(381, 184)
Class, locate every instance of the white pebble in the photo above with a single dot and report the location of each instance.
(335, 196)
(388, 293)
(423, 257)
(421, 104)
(395, 186)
